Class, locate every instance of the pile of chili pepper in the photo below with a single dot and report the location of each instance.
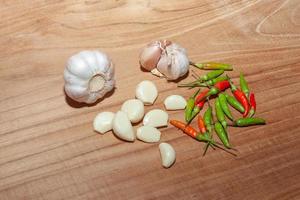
(217, 118)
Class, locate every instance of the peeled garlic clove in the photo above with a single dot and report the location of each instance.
(103, 122)
(134, 109)
(175, 102)
(148, 134)
(167, 154)
(156, 118)
(146, 91)
(122, 127)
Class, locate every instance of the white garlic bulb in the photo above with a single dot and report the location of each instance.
(165, 59)
(88, 75)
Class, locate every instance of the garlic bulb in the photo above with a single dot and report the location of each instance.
(165, 59)
(88, 75)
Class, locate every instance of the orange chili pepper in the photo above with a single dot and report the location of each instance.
(201, 124)
(187, 129)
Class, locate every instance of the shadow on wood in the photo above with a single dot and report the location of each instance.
(76, 104)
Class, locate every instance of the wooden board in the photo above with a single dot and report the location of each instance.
(48, 149)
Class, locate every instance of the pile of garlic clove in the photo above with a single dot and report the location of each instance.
(132, 111)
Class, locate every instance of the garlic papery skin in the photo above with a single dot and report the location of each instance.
(173, 61)
(88, 76)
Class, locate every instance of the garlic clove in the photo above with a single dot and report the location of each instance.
(77, 66)
(122, 127)
(164, 65)
(76, 92)
(175, 102)
(150, 55)
(104, 64)
(167, 154)
(103, 122)
(174, 63)
(148, 134)
(134, 108)
(156, 118)
(146, 91)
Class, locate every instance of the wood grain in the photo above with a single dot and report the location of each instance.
(48, 149)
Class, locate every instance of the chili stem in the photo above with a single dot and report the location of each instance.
(205, 148)
(226, 150)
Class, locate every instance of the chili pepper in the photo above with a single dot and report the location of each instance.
(197, 108)
(224, 106)
(211, 75)
(249, 122)
(244, 85)
(190, 106)
(217, 88)
(241, 97)
(200, 97)
(201, 124)
(220, 113)
(212, 65)
(189, 130)
(234, 103)
(207, 117)
(221, 132)
(222, 85)
(252, 105)
(205, 84)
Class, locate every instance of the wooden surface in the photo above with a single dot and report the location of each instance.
(48, 149)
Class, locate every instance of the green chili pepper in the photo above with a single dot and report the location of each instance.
(190, 106)
(195, 112)
(234, 103)
(207, 118)
(244, 85)
(204, 84)
(221, 132)
(220, 113)
(212, 65)
(249, 122)
(211, 75)
(224, 106)
(216, 80)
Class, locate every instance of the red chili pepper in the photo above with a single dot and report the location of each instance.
(223, 85)
(201, 124)
(197, 108)
(200, 104)
(252, 104)
(217, 88)
(252, 101)
(201, 96)
(241, 97)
